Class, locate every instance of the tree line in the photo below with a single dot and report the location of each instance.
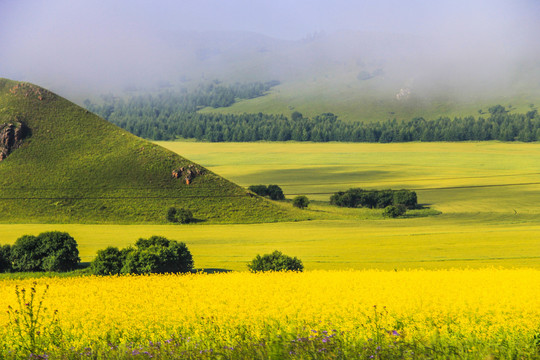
(56, 251)
(174, 114)
(163, 105)
(375, 199)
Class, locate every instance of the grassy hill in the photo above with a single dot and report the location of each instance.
(75, 167)
(353, 100)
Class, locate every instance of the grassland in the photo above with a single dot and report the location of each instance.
(487, 193)
(484, 179)
(78, 168)
(369, 101)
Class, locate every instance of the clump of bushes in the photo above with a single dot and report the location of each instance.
(182, 216)
(375, 199)
(275, 261)
(394, 211)
(154, 255)
(49, 251)
(274, 192)
(300, 202)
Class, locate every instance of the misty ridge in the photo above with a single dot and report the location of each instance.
(394, 64)
(418, 53)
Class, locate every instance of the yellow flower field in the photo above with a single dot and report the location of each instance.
(447, 313)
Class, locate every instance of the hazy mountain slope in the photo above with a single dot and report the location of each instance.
(76, 167)
(372, 77)
(356, 75)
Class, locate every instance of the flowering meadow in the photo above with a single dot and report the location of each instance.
(471, 314)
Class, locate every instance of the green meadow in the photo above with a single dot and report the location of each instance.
(352, 100)
(75, 167)
(483, 201)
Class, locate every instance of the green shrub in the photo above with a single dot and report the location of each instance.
(182, 216)
(5, 258)
(394, 211)
(108, 261)
(157, 255)
(60, 251)
(27, 254)
(275, 192)
(49, 251)
(260, 190)
(406, 197)
(301, 202)
(275, 261)
(171, 215)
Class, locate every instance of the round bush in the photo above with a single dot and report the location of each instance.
(49, 251)
(275, 192)
(394, 211)
(108, 261)
(60, 250)
(182, 216)
(275, 261)
(301, 202)
(27, 254)
(158, 255)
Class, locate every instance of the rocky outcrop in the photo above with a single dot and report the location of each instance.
(12, 135)
(187, 173)
(30, 91)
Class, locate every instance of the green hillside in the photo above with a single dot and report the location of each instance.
(372, 100)
(74, 167)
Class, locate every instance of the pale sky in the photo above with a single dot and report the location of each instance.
(43, 39)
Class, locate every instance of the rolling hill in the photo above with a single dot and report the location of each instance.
(359, 76)
(63, 164)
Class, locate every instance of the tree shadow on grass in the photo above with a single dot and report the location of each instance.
(211, 271)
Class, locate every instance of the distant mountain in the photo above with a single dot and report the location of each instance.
(356, 75)
(60, 163)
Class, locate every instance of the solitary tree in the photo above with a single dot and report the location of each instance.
(301, 202)
(295, 116)
(497, 110)
(182, 216)
(275, 261)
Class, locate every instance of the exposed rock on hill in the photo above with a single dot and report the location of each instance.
(12, 135)
(187, 173)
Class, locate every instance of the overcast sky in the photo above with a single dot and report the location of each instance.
(285, 19)
(40, 38)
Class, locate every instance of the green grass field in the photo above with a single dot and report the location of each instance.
(78, 168)
(487, 192)
(369, 101)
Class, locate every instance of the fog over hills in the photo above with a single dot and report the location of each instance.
(346, 52)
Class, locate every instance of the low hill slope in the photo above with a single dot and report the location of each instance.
(61, 163)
